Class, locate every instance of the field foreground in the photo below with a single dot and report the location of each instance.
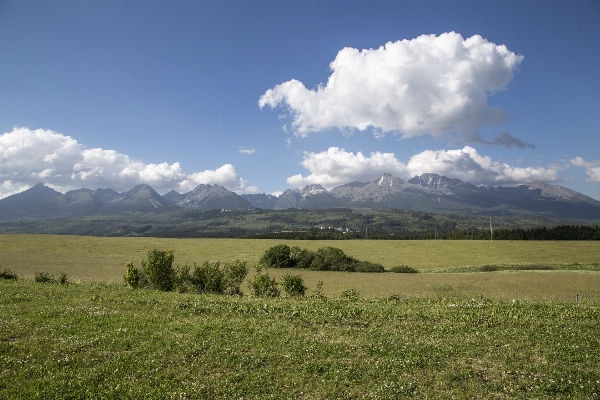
(77, 341)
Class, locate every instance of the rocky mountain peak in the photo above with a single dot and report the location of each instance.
(388, 180)
(312, 190)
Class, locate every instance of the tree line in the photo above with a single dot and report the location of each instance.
(561, 232)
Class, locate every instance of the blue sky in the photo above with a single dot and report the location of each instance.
(115, 93)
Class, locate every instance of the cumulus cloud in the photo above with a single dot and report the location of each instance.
(337, 166)
(28, 157)
(428, 85)
(592, 168)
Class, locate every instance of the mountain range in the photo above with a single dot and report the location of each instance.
(430, 193)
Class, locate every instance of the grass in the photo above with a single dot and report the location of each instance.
(77, 341)
(374, 336)
(104, 258)
(455, 265)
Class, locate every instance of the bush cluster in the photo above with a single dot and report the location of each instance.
(157, 272)
(45, 277)
(324, 259)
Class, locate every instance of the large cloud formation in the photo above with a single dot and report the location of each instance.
(337, 166)
(28, 157)
(428, 85)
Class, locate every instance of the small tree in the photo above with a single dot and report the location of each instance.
(293, 285)
(158, 268)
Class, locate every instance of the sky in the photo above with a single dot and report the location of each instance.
(264, 96)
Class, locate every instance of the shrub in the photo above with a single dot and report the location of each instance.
(403, 269)
(44, 277)
(183, 279)
(332, 259)
(301, 258)
(208, 278)
(367, 266)
(132, 276)
(234, 274)
(62, 278)
(8, 274)
(277, 257)
(262, 285)
(293, 285)
(158, 268)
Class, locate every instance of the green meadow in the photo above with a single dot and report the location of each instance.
(81, 342)
(450, 331)
(103, 259)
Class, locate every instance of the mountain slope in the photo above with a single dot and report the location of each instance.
(429, 193)
(208, 197)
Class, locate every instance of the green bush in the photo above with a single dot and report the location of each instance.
(132, 276)
(262, 285)
(8, 274)
(234, 274)
(277, 257)
(208, 278)
(158, 268)
(403, 269)
(332, 259)
(183, 279)
(293, 285)
(44, 277)
(62, 278)
(367, 266)
(301, 258)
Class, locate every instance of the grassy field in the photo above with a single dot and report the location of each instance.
(94, 259)
(77, 341)
(425, 335)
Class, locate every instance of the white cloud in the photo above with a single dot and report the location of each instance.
(427, 85)
(592, 168)
(28, 157)
(337, 166)
(225, 176)
(243, 150)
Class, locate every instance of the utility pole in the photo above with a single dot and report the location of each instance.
(491, 231)
(367, 232)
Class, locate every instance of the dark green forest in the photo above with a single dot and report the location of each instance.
(335, 223)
